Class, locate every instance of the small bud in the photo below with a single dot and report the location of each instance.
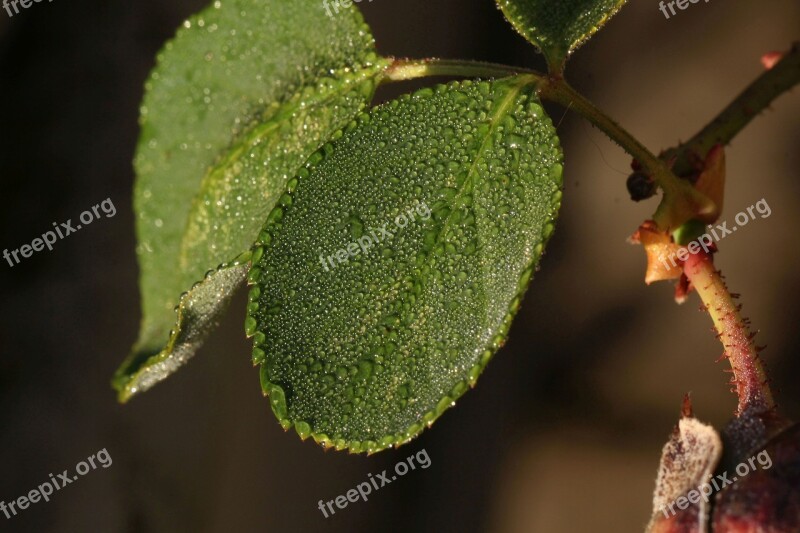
(640, 186)
(770, 59)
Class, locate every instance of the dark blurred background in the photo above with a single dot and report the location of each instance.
(565, 429)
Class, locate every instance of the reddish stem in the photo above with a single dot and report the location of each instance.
(749, 376)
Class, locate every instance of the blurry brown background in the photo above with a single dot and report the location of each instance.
(565, 428)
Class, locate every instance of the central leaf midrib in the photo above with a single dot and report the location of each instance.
(507, 101)
(468, 184)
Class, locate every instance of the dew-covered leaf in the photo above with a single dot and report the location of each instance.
(558, 27)
(389, 274)
(239, 99)
(197, 314)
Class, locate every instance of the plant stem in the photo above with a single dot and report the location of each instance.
(681, 200)
(409, 69)
(752, 101)
(749, 376)
(557, 90)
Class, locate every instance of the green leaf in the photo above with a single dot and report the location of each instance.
(558, 27)
(197, 314)
(239, 99)
(449, 196)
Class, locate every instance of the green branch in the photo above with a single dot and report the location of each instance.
(557, 90)
(681, 200)
(749, 104)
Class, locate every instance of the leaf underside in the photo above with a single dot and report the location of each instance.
(197, 314)
(362, 352)
(240, 98)
(558, 27)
